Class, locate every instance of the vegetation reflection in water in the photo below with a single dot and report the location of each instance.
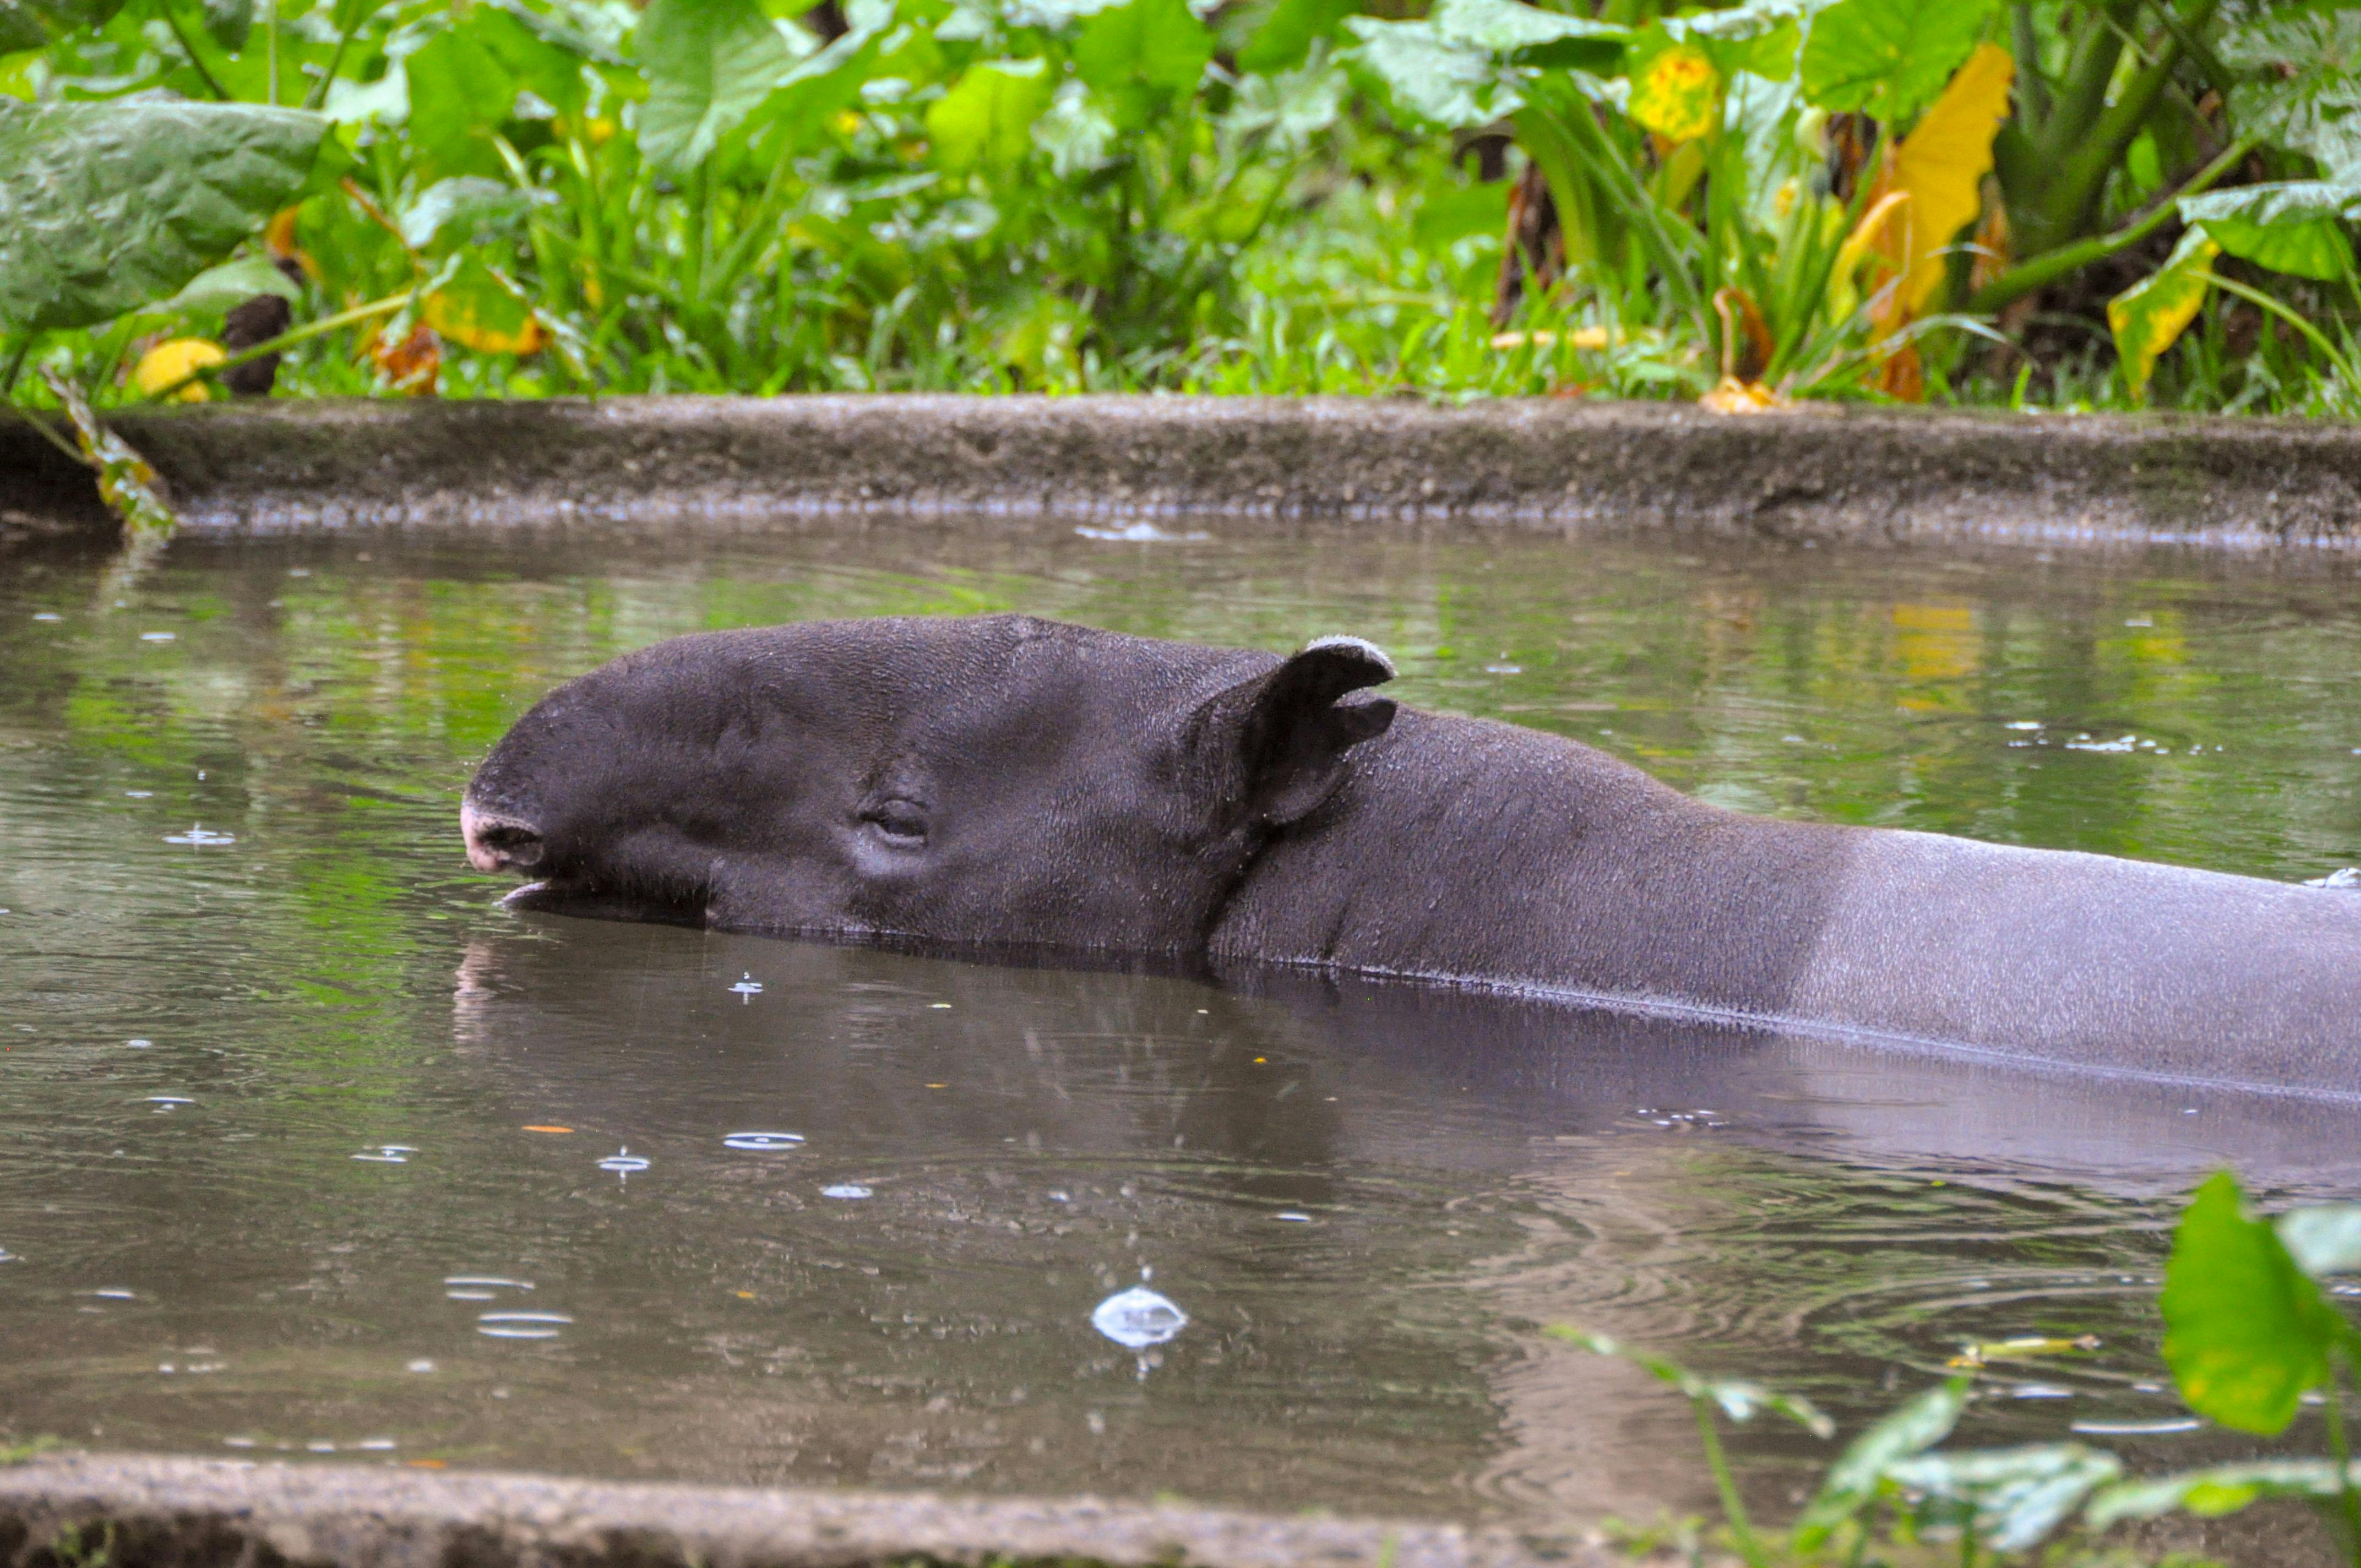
(303, 1133)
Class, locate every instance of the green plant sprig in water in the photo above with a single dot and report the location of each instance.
(2249, 1333)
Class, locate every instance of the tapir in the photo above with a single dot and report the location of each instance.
(1003, 783)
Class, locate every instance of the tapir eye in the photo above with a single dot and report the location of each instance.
(903, 821)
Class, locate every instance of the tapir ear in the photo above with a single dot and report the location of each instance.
(1280, 738)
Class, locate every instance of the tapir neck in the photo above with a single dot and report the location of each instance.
(1465, 849)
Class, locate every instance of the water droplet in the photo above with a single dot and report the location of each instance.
(623, 1162)
(378, 1445)
(168, 1102)
(140, 1044)
(200, 834)
(1137, 1318)
(748, 987)
(845, 1190)
(388, 1154)
(1504, 669)
(320, 1446)
(488, 1282)
(2137, 1428)
(237, 1443)
(47, 615)
(1292, 1217)
(157, 636)
(420, 1364)
(763, 1143)
(116, 1293)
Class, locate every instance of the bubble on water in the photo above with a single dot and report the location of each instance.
(47, 615)
(748, 987)
(320, 1446)
(420, 1364)
(140, 1044)
(1138, 1317)
(388, 1154)
(2137, 1428)
(845, 1190)
(2024, 724)
(7, 1256)
(520, 1326)
(200, 836)
(1060, 1198)
(116, 1293)
(138, 795)
(1504, 669)
(488, 1282)
(763, 1143)
(2041, 1391)
(168, 1102)
(377, 1444)
(158, 636)
(623, 1162)
(1294, 1217)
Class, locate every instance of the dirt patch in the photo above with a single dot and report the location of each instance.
(1881, 475)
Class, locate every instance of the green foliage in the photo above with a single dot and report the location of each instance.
(710, 64)
(2247, 1332)
(104, 207)
(1888, 57)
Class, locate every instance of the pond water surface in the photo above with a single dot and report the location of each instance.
(308, 1146)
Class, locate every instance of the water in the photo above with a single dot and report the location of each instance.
(308, 1148)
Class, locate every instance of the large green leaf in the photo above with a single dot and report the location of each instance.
(1890, 56)
(2303, 83)
(458, 90)
(710, 64)
(2246, 1334)
(108, 207)
(2290, 227)
(1154, 44)
(1463, 65)
(229, 21)
(1917, 1426)
(985, 121)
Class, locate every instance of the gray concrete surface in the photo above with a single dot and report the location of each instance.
(200, 1513)
(1821, 472)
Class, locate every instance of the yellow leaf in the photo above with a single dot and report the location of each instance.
(1677, 94)
(2146, 317)
(177, 360)
(1943, 166)
(1736, 397)
(479, 309)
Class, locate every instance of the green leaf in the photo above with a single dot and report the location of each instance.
(107, 206)
(465, 209)
(459, 89)
(31, 23)
(1288, 34)
(2304, 87)
(1890, 56)
(2246, 1334)
(1852, 1480)
(229, 21)
(2295, 227)
(2011, 1497)
(1429, 78)
(985, 121)
(1155, 44)
(710, 64)
(2219, 1489)
(2324, 1239)
(219, 288)
(125, 482)
(2150, 315)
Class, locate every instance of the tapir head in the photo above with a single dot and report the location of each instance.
(991, 780)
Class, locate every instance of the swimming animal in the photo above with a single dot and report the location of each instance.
(1000, 782)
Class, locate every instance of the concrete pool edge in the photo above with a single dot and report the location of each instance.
(1822, 472)
(207, 1513)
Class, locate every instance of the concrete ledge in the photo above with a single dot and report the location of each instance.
(1822, 472)
(194, 1513)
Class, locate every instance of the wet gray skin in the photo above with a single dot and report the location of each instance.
(1005, 781)
(315, 1173)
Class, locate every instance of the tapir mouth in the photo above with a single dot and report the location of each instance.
(500, 842)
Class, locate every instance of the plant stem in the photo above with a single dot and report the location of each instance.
(2023, 278)
(310, 330)
(271, 42)
(15, 366)
(196, 61)
(319, 92)
(2343, 1451)
(1731, 1509)
(2319, 339)
(52, 436)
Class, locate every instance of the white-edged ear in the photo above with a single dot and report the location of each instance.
(1281, 738)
